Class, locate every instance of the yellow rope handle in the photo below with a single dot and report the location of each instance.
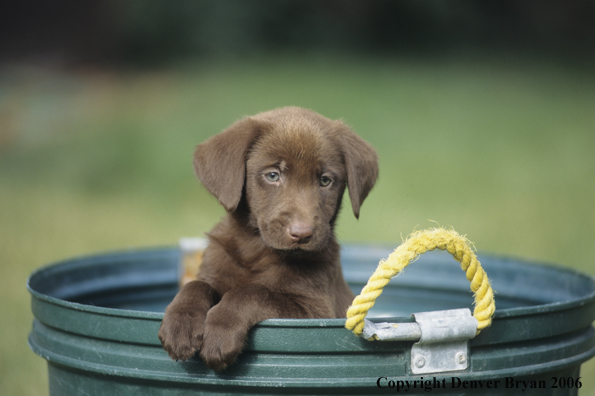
(418, 243)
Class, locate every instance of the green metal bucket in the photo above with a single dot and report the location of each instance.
(96, 323)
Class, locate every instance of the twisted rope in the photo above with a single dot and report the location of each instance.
(418, 243)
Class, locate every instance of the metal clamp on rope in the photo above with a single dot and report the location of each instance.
(443, 335)
(443, 339)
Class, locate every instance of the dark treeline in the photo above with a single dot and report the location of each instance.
(149, 31)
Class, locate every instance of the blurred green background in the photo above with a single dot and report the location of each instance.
(483, 114)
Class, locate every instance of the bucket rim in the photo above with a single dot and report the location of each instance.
(169, 251)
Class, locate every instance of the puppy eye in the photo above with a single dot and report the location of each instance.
(325, 181)
(273, 177)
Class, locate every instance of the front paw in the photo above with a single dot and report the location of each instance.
(181, 333)
(221, 347)
(224, 337)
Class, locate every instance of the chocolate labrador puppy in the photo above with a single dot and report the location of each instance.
(280, 175)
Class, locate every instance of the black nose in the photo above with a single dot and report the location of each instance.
(300, 232)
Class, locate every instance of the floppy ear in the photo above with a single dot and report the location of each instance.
(220, 162)
(361, 163)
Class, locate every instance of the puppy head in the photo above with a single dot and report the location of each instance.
(291, 165)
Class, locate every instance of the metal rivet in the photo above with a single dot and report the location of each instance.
(461, 358)
(420, 361)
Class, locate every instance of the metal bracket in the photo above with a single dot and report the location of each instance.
(443, 339)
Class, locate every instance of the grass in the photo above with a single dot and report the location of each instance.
(93, 160)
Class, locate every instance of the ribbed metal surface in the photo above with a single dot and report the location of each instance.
(97, 320)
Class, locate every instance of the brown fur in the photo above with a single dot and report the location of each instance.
(281, 176)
